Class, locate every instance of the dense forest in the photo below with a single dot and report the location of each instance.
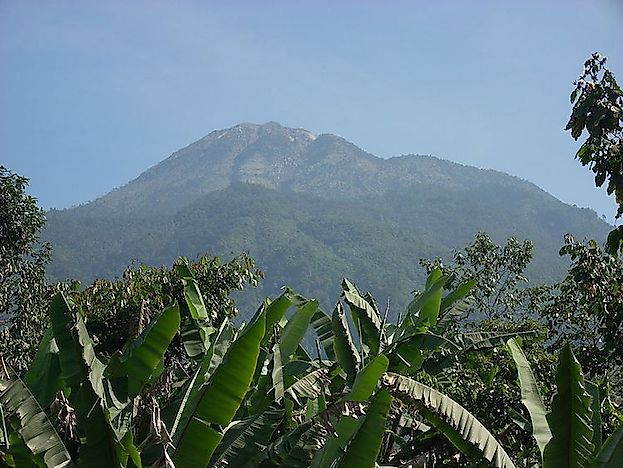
(477, 368)
(310, 210)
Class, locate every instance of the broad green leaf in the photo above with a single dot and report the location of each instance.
(180, 409)
(69, 352)
(277, 373)
(275, 310)
(44, 378)
(146, 352)
(474, 341)
(451, 419)
(457, 295)
(366, 444)
(367, 379)
(407, 358)
(26, 416)
(364, 386)
(217, 401)
(245, 439)
(196, 321)
(423, 311)
(611, 453)
(345, 351)
(429, 310)
(593, 391)
(570, 419)
(295, 329)
(101, 447)
(530, 396)
(364, 315)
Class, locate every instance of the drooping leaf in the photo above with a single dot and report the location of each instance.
(570, 419)
(217, 401)
(312, 384)
(245, 439)
(26, 416)
(530, 396)
(451, 419)
(474, 341)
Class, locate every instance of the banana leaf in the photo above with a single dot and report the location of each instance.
(452, 420)
(321, 323)
(364, 386)
(345, 351)
(570, 419)
(216, 402)
(366, 444)
(196, 321)
(530, 396)
(365, 316)
(146, 352)
(44, 378)
(245, 439)
(23, 412)
(295, 328)
(611, 453)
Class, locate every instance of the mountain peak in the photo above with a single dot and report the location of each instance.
(253, 130)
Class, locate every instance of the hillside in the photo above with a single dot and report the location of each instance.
(310, 209)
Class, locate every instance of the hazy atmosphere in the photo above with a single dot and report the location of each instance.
(325, 234)
(93, 93)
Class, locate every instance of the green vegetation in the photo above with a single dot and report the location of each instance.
(310, 212)
(478, 368)
(373, 392)
(23, 260)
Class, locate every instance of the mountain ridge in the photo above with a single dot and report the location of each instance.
(343, 207)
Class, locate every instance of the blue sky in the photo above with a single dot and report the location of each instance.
(92, 93)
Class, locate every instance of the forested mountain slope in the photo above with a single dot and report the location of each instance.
(310, 209)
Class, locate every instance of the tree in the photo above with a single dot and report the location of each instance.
(23, 259)
(598, 108)
(497, 270)
(586, 308)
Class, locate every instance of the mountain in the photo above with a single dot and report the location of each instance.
(310, 209)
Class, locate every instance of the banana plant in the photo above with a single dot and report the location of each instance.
(569, 434)
(97, 395)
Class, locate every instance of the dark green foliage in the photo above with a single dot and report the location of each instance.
(499, 272)
(23, 260)
(587, 308)
(119, 309)
(598, 108)
(309, 211)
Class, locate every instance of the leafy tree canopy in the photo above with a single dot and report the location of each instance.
(598, 108)
(23, 259)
